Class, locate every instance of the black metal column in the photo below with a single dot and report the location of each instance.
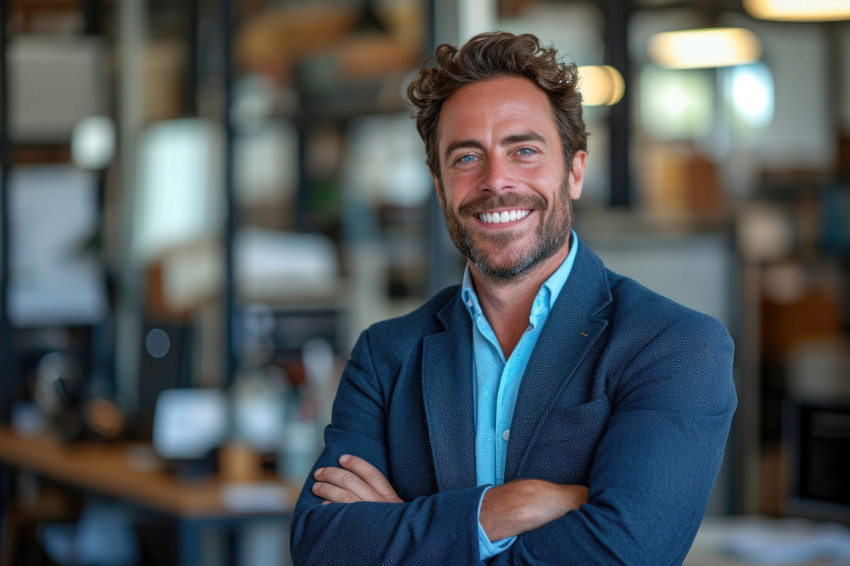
(190, 88)
(93, 17)
(230, 353)
(8, 356)
(8, 365)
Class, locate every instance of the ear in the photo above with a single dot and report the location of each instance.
(440, 194)
(577, 174)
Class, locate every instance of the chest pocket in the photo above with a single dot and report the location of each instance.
(565, 445)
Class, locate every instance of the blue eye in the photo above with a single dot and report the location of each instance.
(526, 151)
(466, 159)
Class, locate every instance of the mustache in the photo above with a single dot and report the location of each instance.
(507, 200)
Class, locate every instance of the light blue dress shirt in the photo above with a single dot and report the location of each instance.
(497, 382)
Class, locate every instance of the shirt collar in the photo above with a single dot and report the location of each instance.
(548, 293)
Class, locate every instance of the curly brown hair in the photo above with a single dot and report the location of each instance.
(488, 56)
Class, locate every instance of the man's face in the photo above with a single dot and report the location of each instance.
(503, 184)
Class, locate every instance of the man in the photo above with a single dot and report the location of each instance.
(546, 411)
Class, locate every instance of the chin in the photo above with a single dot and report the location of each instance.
(509, 268)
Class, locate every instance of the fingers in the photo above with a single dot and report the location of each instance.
(339, 485)
(331, 492)
(357, 480)
(372, 476)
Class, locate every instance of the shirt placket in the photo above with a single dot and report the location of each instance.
(504, 413)
(493, 380)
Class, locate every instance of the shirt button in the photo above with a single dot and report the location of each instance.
(506, 435)
(469, 303)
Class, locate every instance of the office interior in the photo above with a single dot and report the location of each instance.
(203, 203)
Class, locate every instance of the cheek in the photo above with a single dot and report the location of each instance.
(459, 178)
(546, 173)
(459, 189)
(549, 186)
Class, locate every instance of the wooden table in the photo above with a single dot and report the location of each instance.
(108, 469)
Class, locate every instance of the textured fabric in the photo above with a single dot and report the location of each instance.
(497, 380)
(638, 408)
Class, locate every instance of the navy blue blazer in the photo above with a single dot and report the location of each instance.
(626, 392)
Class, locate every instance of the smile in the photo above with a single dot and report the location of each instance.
(504, 216)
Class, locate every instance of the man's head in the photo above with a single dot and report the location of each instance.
(488, 56)
(501, 120)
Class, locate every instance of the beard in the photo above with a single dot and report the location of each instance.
(551, 233)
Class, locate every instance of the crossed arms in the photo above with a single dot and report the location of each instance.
(506, 511)
(649, 474)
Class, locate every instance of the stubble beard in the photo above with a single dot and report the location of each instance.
(552, 233)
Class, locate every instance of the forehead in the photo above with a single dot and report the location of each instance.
(481, 109)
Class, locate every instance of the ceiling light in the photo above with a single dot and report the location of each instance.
(600, 85)
(798, 11)
(703, 48)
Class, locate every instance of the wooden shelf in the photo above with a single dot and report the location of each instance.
(107, 469)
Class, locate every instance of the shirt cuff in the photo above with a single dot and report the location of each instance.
(486, 548)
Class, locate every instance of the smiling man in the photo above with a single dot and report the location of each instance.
(546, 410)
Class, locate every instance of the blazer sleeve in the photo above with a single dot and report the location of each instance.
(657, 459)
(426, 530)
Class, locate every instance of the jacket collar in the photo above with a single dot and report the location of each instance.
(574, 325)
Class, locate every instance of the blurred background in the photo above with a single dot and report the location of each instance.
(202, 204)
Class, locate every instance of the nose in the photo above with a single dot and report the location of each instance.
(497, 175)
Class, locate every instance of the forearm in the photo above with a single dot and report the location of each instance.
(422, 531)
(349, 512)
(524, 505)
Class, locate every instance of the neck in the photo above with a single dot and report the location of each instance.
(507, 303)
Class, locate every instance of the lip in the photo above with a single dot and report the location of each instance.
(503, 216)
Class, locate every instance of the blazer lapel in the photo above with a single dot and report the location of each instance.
(448, 396)
(568, 335)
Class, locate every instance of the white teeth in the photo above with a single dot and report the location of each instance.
(505, 216)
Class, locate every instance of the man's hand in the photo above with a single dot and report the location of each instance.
(523, 505)
(356, 480)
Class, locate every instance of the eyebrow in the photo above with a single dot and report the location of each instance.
(519, 138)
(507, 140)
